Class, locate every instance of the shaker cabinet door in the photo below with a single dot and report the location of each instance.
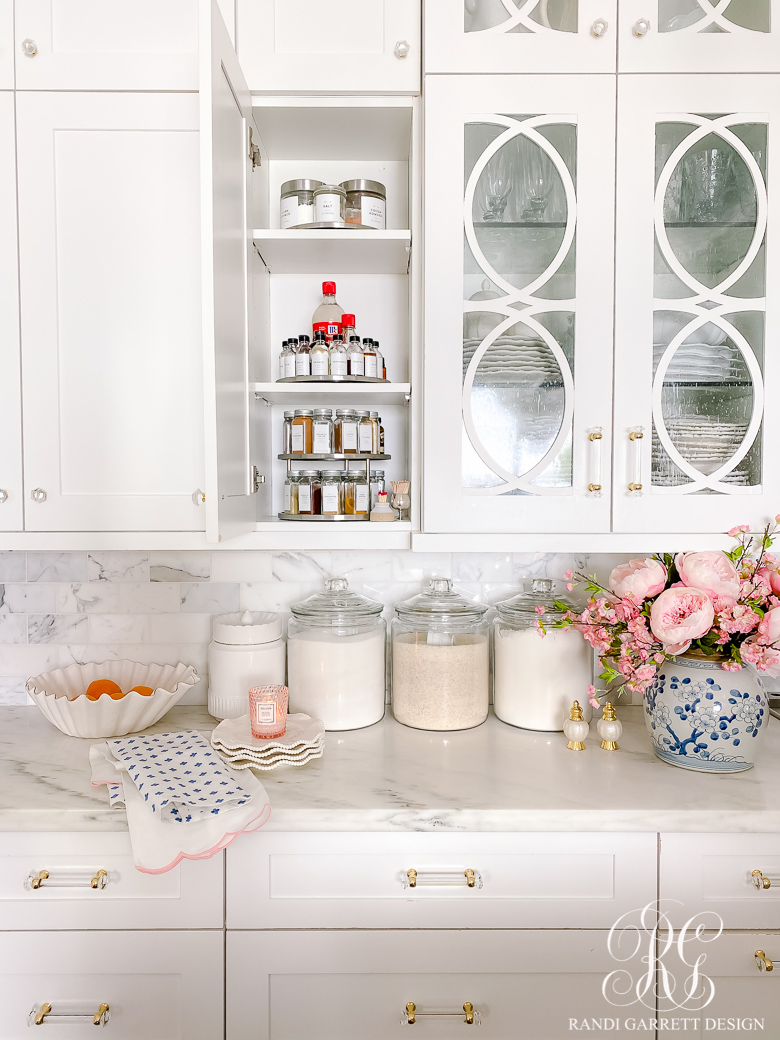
(699, 36)
(520, 35)
(6, 44)
(518, 319)
(11, 512)
(110, 299)
(697, 443)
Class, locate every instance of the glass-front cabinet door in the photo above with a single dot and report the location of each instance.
(699, 36)
(518, 321)
(520, 35)
(697, 439)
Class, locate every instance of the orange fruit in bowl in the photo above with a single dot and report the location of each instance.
(145, 691)
(100, 687)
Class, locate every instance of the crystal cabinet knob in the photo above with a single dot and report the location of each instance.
(3, 495)
(198, 497)
(763, 963)
(38, 495)
(642, 27)
(599, 27)
(29, 47)
(402, 48)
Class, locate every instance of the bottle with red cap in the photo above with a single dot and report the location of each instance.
(327, 317)
(348, 327)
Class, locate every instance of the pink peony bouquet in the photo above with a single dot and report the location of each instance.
(723, 605)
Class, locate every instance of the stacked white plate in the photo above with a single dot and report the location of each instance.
(517, 357)
(303, 742)
(702, 363)
(705, 443)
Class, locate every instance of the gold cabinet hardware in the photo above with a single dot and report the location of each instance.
(45, 1010)
(101, 1011)
(36, 882)
(763, 963)
(760, 881)
(468, 873)
(410, 1010)
(635, 487)
(595, 436)
(100, 880)
(594, 487)
(412, 875)
(468, 1015)
(635, 435)
(468, 1008)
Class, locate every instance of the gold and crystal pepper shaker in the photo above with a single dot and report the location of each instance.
(576, 728)
(609, 728)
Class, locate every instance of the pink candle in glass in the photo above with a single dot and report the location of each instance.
(268, 711)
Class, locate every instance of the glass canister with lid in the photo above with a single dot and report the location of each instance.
(440, 660)
(535, 679)
(297, 203)
(336, 657)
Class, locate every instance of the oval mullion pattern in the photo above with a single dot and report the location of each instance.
(533, 304)
(702, 294)
(713, 15)
(521, 15)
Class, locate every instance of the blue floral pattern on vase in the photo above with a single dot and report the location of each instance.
(700, 717)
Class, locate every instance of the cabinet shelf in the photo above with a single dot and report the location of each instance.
(314, 395)
(532, 225)
(337, 252)
(334, 458)
(706, 224)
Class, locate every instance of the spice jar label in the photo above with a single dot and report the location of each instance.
(265, 713)
(372, 212)
(330, 499)
(297, 439)
(304, 498)
(361, 498)
(348, 436)
(321, 438)
(288, 213)
(366, 438)
(319, 364)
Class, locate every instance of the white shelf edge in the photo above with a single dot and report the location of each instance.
(330, 235)
(603, 542)
(395, 393)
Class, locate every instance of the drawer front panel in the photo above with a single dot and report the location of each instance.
(188, 896)
(715, 872)
(158, 986)
(362, 881)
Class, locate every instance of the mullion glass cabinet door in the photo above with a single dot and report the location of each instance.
(518, 316)
(520, 35)
(696, 328)
(699, 36)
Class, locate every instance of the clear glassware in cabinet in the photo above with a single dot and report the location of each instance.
(694, 319)
(699, 36)
(520, 35)
(515, 431)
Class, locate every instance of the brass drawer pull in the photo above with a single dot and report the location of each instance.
(468, 878)
(763, 963)
(468, 1015)
(100, 880)
(44, 1015)
(762, 881)
(41, 1016)
(67, 878)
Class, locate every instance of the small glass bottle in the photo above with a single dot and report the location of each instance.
(355, 363)
(322, 432)
(345, 434)
(338, 357)
(370, 359)
(302, 432)
(308, 480)
(365, 434)
(291, 493)
(376, 423)
(344, 478)
(286, 361)
(327, 316)
(361, 495)
(302, 359)
(381, 367)
(377, 484)
(348, 327)
(287, 433)
(330, 481)
(319, 355)
(348, 483)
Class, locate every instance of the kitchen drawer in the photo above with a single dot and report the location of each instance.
(714, 872)
(158, 985)
(188, 896)
(356, 985)
(277, 880)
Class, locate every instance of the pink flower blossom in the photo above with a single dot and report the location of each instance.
(539, 609)
(713, 573)
(731, 666)
(592, 696)
(763, 658)
(639, 579)
(569, 586)
(734, 532)
(769, 628)
(680, 615)
(771, 576)
(569, 574)
(738, 619)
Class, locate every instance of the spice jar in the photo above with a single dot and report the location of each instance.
(377, 484)
(309, 492)
(330, 483)
(301, 431)
(329, 204)
(377, 435)
(291, 493)
(297, 203)
(440, 660)
(362, 504)
(366, 203)
(348, 483)
(287, 433)
(345, 432)
(322, 431)
(246, 649)
(365, 433)
(536, 679)
(336, 658)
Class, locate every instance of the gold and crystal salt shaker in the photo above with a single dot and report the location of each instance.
(576, 728)
(609, 728)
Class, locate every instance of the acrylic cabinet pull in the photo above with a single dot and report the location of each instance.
(763, 881)
(599, 27)
(641, 27)
(469, 1015)
(763, 963)
(467, 878)
(66, 879)
(595, 440)
(635, 436)
(69, 1012)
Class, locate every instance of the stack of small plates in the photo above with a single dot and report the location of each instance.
(703, 363)
(303, 741)
(521, 359)
(706, 443)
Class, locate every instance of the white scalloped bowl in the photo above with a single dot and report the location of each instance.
(61, 696)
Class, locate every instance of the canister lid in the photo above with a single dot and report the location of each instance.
(540, 593)
(335, 606)
(439, 605)
(301, 185)
(363, 185)
(247, 627)
(329, 189)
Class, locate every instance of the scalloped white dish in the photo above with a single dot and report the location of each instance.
(61, 696)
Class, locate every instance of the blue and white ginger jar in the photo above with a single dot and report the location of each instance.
(700, 717)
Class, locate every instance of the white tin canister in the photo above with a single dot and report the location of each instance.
(247, 650)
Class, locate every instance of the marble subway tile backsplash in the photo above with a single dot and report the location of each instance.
(58, 609)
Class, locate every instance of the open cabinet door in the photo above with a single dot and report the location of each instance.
(225, 111)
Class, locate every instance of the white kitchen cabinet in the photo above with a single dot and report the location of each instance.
(699, 36)
(158, 985)
(6, 44)
(353, 985)
(520, 35)
(518, 316)
(11, 510)
(109, 211)
(696, 322)
(351, 46)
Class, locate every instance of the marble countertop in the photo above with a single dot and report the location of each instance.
(389, 777)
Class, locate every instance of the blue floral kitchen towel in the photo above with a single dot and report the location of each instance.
(179, 775)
